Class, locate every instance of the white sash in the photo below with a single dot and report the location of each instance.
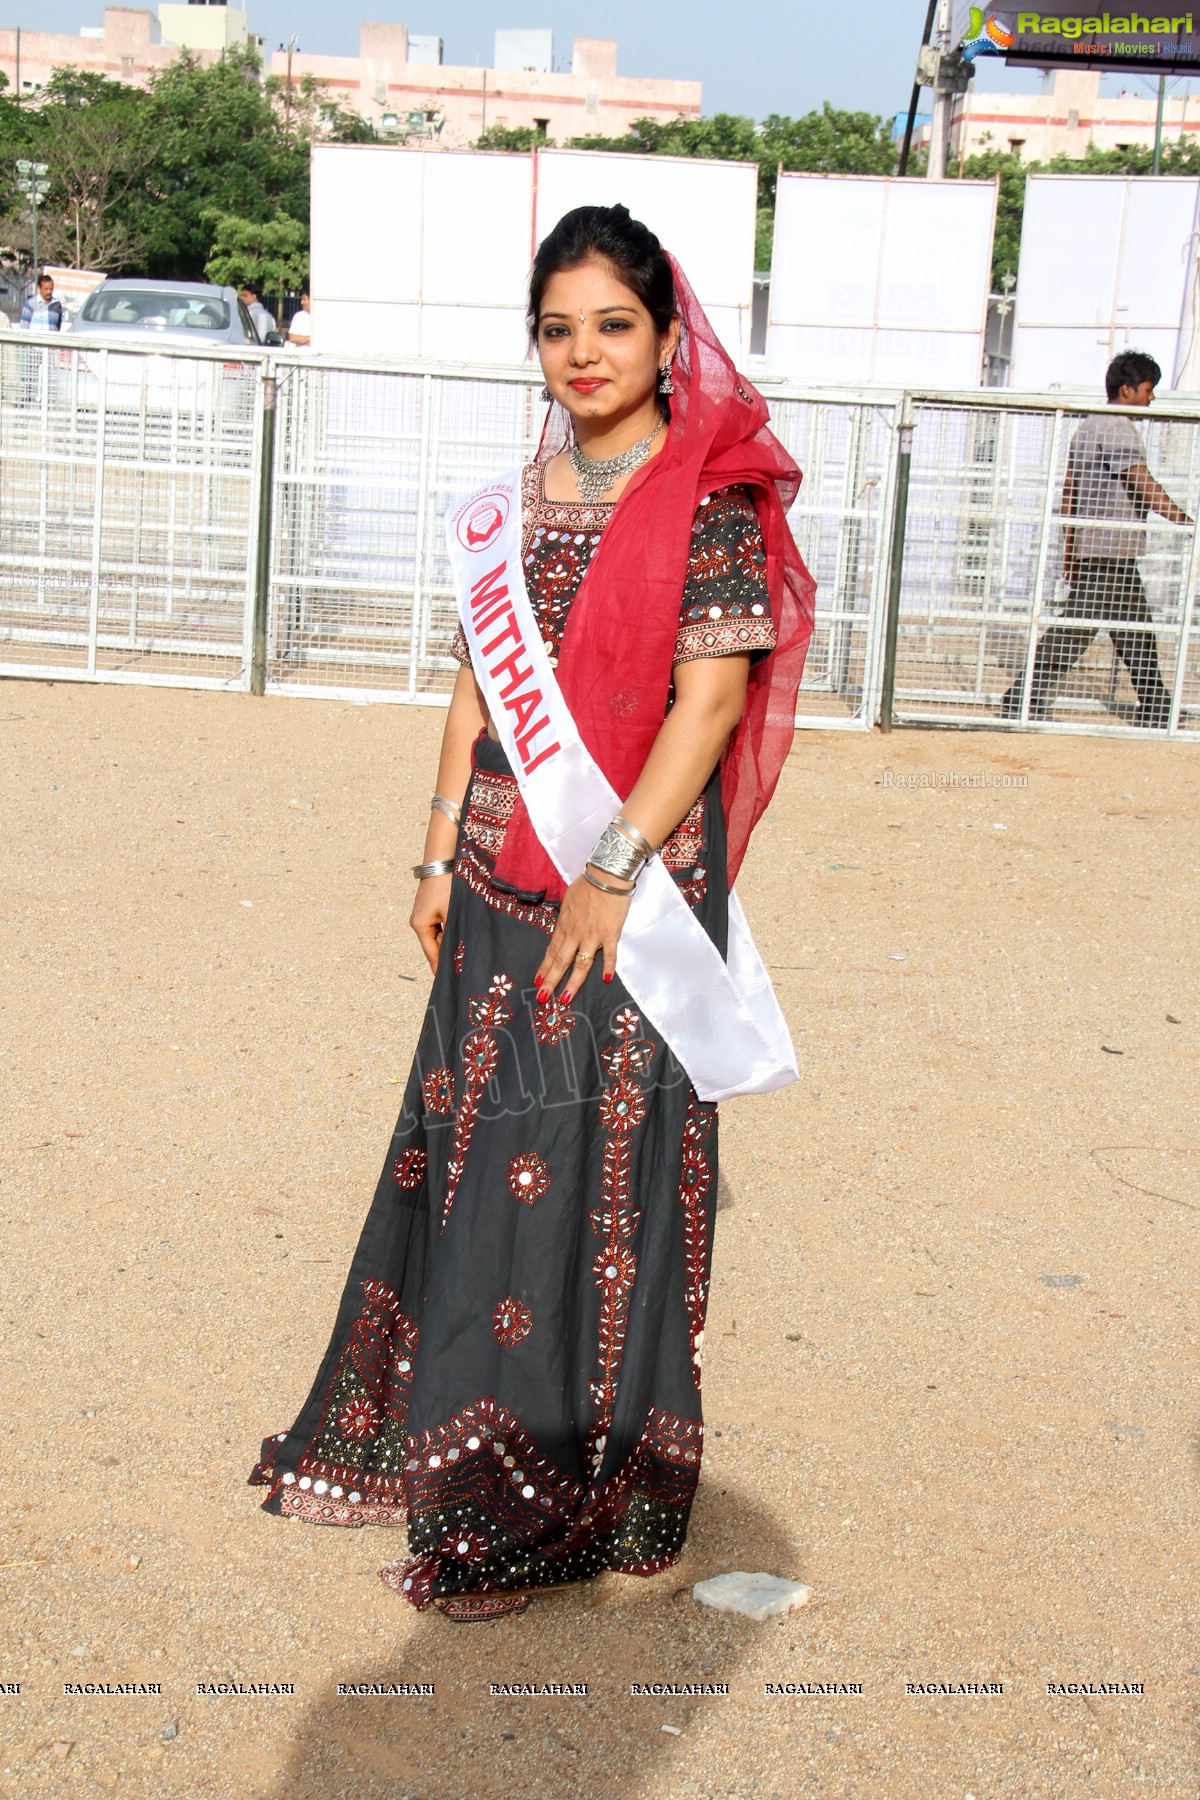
(721, 1020)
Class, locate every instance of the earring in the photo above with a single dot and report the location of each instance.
(666, 386)
(546, 394)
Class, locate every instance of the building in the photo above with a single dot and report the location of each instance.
(1068, 115)
(399, 83)
(385, 84)
(129, 46)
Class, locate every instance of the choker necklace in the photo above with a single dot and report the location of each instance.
(595, 477)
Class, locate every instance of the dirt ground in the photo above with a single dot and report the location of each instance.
(950, 1369)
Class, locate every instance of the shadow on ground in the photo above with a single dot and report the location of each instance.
(466, 1743)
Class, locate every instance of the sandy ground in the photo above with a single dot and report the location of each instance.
(950, 1375)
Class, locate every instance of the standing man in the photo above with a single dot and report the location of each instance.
(263, 318)
(300, 328)
(1107, 480)
(43, 313)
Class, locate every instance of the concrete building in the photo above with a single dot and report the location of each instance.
(129, 46)
(1066, 117)
(396, 81)
(384, 84)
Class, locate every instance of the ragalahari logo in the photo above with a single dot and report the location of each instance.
(986, 35)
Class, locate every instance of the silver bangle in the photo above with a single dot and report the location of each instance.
(606, 887)
(615, 854)
(447, 808)
(425, 871)
(632, 832)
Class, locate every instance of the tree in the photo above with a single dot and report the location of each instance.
(309, 113)
(1006, 165)
(218, 148)
(512, 137)
(274, 255)
(84, 128)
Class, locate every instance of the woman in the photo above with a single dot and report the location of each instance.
(515, 1367)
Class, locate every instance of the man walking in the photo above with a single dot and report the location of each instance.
(1107, 480)
(42, 312)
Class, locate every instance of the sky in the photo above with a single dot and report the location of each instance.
(787, 57)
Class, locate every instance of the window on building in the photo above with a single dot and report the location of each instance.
(541, 126)
(1016, 145)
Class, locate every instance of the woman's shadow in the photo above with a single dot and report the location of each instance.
(466, 1742)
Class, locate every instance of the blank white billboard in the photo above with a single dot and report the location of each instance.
(1106, 265)
(703, 211)
(420, 253)
(877, 280)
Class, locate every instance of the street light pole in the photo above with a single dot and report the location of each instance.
(1158, 125)
(31, 181)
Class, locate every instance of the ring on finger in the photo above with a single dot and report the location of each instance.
(585, 956)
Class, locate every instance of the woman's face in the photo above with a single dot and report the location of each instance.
(599, 351)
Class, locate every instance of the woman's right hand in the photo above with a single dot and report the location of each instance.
(429, 912)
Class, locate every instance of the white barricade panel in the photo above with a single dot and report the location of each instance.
(703, 211)
(880, 281)
(420, 253)
(366, 224)
(1107, 262)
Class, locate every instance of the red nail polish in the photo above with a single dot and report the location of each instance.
(608, 978)
(543, 996)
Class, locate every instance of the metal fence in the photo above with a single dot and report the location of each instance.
(128, 512)
(272, 522)
(979, 574)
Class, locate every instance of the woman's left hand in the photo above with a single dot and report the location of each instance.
(589, 924)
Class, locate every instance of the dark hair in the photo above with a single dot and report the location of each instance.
(1130, 369)
(629, 248)
(252, 287)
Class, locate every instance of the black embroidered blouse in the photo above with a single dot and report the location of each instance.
(725, 607)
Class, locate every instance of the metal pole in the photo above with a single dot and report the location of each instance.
(262, 570)
(896, 567)
(906, 147)
(33, 206)
(1158, 124)
(943, 108)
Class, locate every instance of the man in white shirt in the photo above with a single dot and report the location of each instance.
(1107, 480)
(300, 329)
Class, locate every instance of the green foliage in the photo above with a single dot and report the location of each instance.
(274, 254)
(142, 179)
(987, 165)
(218, 148)
(307, 112)
(512, 137)
(84, 127)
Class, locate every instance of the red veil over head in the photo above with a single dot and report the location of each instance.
(618, 645)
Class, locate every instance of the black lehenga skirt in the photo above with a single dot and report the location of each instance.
(515, 1367)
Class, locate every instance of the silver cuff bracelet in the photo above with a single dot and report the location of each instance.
(616, 855)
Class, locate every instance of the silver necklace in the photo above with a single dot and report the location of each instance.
(595, 476)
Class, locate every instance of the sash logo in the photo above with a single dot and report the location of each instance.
(482, 520)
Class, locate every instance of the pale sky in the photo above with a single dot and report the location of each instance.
(783, 56)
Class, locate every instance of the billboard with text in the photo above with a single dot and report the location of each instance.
(1149, 42)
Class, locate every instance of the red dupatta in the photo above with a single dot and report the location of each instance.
(618, 646)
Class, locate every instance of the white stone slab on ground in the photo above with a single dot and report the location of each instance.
(756, 1596)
